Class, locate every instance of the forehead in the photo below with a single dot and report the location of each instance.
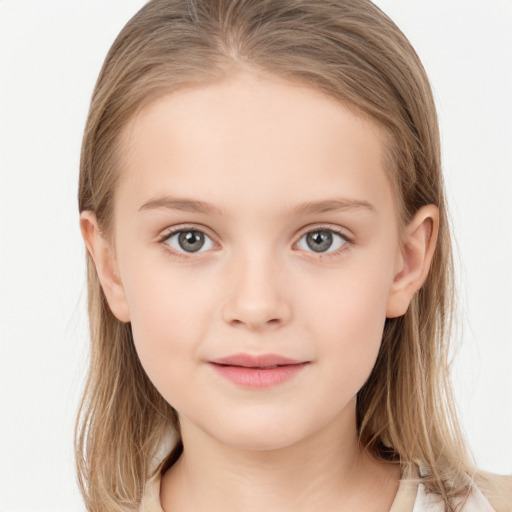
(248, 138)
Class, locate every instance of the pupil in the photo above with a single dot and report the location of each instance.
(319, 240)
(191, 241)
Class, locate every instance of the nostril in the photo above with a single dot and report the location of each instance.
(257, 312)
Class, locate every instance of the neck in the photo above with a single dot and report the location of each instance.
(321, 472)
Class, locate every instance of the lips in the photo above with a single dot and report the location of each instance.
(256, 361)
(259, 371)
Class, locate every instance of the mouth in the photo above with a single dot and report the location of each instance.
(261, 361)
(260, 371)
(255, 367)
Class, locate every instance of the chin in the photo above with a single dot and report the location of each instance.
(260, 435)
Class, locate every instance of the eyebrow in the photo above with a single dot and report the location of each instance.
(194, 205)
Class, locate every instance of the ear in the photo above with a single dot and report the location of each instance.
(414, 259)
(103, 255)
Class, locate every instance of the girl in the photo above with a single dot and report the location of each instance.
(269, 265)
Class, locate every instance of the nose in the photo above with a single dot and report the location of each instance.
(256, 294)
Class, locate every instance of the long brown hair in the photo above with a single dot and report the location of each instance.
(353, 52)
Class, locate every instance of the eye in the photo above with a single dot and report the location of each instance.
(320, 240)
(187, 241)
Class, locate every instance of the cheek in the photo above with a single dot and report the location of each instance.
(168, 317)
(350, 318)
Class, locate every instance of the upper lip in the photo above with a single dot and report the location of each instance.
(256, 361)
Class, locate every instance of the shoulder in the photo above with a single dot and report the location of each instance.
(150, 501)
(489, 493)
(497, 489)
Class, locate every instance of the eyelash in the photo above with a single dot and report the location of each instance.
(184, 229)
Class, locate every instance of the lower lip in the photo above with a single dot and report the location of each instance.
(258, 378)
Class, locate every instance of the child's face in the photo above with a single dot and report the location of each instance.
(256, 149)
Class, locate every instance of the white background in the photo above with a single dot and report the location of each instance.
(50, 54)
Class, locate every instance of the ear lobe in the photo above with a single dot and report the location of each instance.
(416, 256)
(103, 255)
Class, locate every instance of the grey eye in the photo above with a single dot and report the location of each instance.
(189, 240)
(320, 240)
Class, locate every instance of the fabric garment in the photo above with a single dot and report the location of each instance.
(410, 497)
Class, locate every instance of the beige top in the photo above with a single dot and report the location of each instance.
(411, 497)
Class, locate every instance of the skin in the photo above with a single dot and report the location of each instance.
(256, 147)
